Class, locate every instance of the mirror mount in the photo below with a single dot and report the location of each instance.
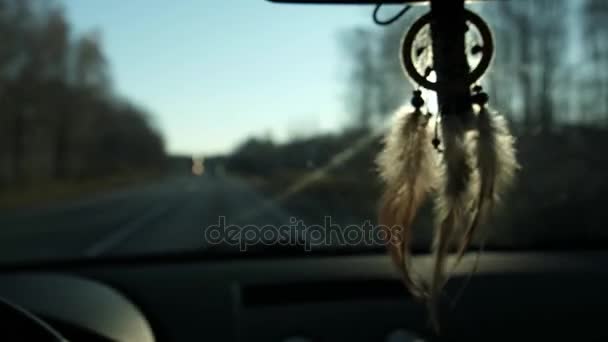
(351, 2)
(449, 59)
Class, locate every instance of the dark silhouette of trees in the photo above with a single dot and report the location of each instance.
(531, 57)
(59, 118)
(595, 42)
(360, 47)
(533, 75)
(552, 56)
(376, 85)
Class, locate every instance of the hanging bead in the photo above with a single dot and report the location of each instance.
(479, 97)
(436, 143)
(417, 100)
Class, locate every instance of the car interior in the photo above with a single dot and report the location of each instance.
(131, 265)
(512, 296)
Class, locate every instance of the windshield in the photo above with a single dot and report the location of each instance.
(153, 127)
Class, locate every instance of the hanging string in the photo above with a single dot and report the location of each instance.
(391, 19)
(436, 141)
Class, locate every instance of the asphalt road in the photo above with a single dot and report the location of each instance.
(169, 216)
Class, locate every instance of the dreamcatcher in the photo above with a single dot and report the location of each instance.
(463, 157)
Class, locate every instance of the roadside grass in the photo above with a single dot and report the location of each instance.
(45, 193)
(557, 198)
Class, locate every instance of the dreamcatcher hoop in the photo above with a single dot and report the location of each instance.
(472, 172)
(486, 49)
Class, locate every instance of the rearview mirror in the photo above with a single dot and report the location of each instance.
(349, 2)
(358, 2)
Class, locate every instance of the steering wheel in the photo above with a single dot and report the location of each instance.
(20, 323)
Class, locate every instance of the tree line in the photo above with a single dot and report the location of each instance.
(550, 77)
(60, 119)
(550, 66)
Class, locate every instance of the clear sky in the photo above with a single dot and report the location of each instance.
(213, 72)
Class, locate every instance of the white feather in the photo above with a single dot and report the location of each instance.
(407, 165)
(496, 164)
(477, 167)
(454, 199)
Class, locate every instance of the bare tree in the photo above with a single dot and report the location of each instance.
(360, 48)
(393, 87)
(531, 39)
(595, 49)
(57, 105)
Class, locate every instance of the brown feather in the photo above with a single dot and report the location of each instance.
(496, 163)
(406, 165)
(454, 201)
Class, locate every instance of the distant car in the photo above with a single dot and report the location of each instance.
(198, 166)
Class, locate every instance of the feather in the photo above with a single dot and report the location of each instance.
(496, 164)
(477, 167)
(454, 201)
(407, 166)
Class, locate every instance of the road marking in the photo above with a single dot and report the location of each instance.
(119, 236)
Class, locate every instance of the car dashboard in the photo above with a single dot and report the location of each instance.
(350, 297)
